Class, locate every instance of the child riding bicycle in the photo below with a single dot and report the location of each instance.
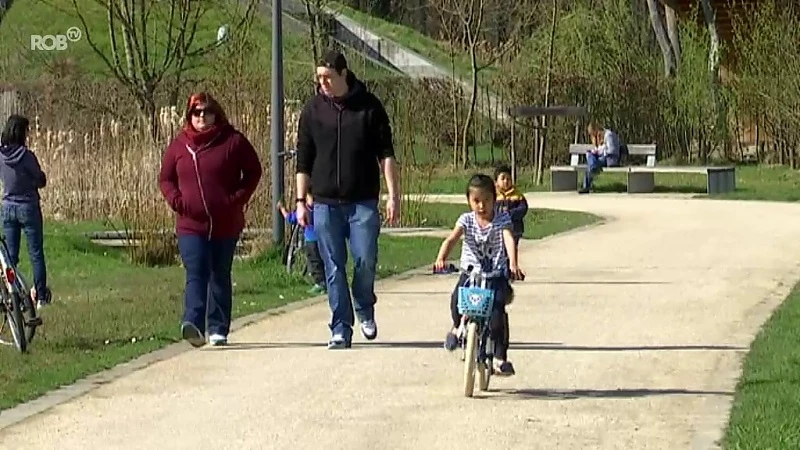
(315, 266)
(489, 244)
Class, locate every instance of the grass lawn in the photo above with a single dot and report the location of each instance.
(752, 182)
(539, 222)
(435, 51)
(766, 405)
(109, 311)
(42, 17)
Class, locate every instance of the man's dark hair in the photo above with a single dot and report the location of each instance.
(15, 131)
(483, 183)
(502, 168)
(333, 59)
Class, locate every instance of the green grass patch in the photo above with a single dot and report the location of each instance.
(772, 183)
(435, 51)
(766, 405)
(109, 311)
(42, 17)
(539, 222)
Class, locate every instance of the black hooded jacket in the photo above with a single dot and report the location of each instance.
(340, 143)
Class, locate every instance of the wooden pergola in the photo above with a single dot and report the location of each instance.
(537, 112)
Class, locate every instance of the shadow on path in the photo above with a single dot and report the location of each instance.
(515, 346)
(573, 394)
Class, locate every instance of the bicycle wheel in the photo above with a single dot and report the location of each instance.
(29, 313)
(470, 359)
(485, 367)
(295, 255)
(14, 319)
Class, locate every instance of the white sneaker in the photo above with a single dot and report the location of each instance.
(217, 339)
(369, 329)
(338, 342)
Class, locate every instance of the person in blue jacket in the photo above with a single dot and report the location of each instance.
(22, 177)
(315, 265)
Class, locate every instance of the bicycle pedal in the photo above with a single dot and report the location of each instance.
(35, 322)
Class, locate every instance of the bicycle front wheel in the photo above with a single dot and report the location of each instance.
(470, 359)
(16, 323)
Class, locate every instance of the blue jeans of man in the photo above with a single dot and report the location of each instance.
(595, 163)
(27, 217)
(209, 291)
(360, 224)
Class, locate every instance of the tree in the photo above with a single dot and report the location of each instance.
(151, 41)
(669, 45)
(471, 17)
(449, 29)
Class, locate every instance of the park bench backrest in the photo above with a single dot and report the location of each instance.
(648, 150)
(575, 152)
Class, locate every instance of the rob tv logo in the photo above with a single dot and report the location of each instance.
(49, 42)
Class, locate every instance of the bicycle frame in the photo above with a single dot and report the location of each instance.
(478, 278)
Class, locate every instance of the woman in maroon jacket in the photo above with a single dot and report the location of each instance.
(208, 174)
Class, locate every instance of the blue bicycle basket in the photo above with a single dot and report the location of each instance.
(475, 302)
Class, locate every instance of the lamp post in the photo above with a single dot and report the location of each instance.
(276, 131)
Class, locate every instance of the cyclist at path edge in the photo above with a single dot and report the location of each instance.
(344, 141)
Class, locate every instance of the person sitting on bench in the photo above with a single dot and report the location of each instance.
(605, 154)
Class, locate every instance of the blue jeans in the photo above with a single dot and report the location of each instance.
(27, 217)
(359, 223)
(595, 163)
(209, 291)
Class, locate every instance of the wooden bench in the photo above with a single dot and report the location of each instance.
(565, 178)
(641, 179)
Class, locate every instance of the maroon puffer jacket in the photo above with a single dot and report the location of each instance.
(209, 185)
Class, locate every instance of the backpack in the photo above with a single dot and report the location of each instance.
(623, 154)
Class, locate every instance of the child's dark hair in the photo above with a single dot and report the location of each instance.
(483, 183)
(15, 131)
(500, 169)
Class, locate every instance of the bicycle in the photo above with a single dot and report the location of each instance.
(16, 304)
(294, 257)
(475, 304)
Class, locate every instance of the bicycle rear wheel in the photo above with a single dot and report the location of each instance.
(295, 255)
(29, 314)
(485, 368)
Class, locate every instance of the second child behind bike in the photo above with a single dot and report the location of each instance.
(315, 265)
(490, 245)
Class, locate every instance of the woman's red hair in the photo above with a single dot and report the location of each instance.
(211, 104)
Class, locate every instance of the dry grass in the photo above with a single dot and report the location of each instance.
(110, 174)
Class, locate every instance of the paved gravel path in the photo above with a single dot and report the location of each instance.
(625, 336)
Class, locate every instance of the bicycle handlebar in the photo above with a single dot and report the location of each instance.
(470, 270)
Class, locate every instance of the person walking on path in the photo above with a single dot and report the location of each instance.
(208, 174)
(344, 141)
(22, 178)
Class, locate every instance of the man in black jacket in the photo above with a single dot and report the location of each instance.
(344, 140)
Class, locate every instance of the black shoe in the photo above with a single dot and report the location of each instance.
(451, 342)
(192, 334)
(583, 191)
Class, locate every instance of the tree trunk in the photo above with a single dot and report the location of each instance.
(313, 22)
(673, 32)
(670, 65)
(548, 80)
(710, 16)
